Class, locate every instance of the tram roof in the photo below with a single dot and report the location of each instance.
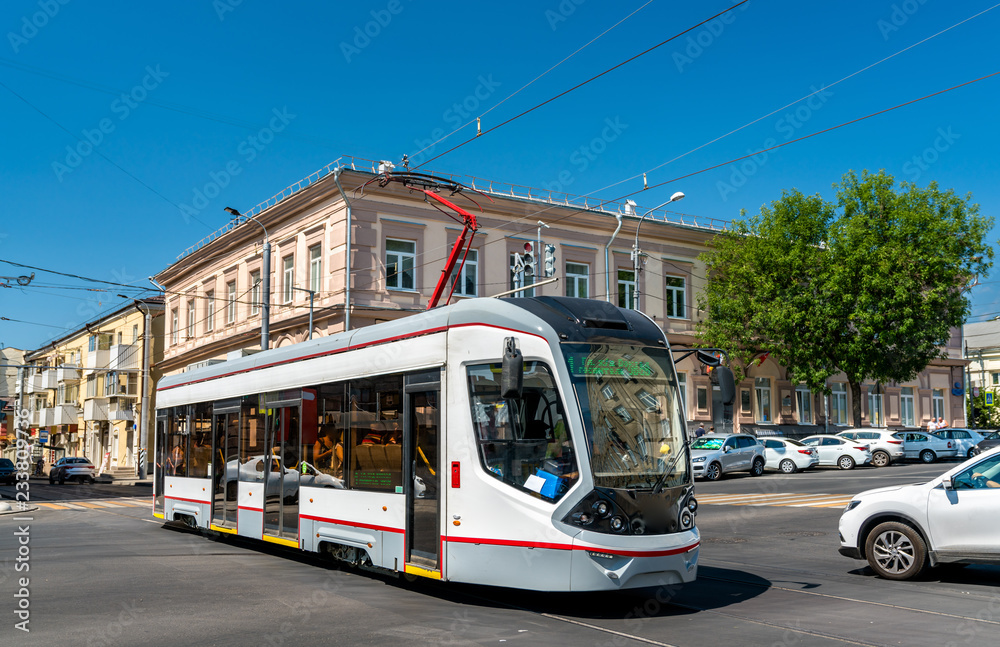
(554, 318)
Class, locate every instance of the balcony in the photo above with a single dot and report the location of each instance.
(97, 360)
(123, 356)
(68, 373)
(36, 418)
(46, 417)
(65, 414)
(49, 380)
(120, 409)
(95, 409)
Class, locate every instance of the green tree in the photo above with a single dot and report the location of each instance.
(870, 286)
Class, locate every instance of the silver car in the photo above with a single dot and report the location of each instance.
(713, 455)
(926, 446)
(965, 440)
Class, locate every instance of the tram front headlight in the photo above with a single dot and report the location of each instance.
(601, 508)
(692, 505)
(617, 524)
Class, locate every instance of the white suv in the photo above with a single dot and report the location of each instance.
(885, 447)
(954, 518)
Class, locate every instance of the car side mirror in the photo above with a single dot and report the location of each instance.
(511, 371)
(948, 484)
(726, 449)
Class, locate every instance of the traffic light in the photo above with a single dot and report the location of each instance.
(529, 260)
(550, 260)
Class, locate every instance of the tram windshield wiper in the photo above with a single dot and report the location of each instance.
(669, 470)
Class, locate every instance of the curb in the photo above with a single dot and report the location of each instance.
(15, 511)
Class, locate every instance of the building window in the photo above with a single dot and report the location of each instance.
(607, 392)
(676, 302)
(682, 382)
(466, 280)
(315, 267)
(906, 409)
(287, 278)
(231, 302)
(135, 333)
(745, 407)
(648, 400)
(702, 398)
(803, 398)
(623, 413)
(996, 379)
(578, 280)
(174, 323)
(210, 311)
(519, 278)
(255, 292)
(762, 387)
(400, 257)
(191, 319)
(937, 402)
(875, 415)
(626, 289)
(838, 403)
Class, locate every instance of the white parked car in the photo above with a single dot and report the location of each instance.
(926, 446)
(834, 450)
(954, 518)
(885, 447)
(788, 456)
(965, 440)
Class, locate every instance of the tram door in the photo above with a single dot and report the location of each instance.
(281, 480)
(422, 424)
(225, 459)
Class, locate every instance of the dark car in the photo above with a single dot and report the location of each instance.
(8, 473)
(72, 467)
(990, 440)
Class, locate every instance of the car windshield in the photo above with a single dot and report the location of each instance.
(5, 462)
(631, 410)
(707, 443)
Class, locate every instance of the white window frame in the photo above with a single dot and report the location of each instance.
(192, 317)
(804, 404)
(838, 403)
(469, 275)
(287, 278)
(676, 297)
(174, 325)
(397, 259)
(577, 280)
(315, 267)
(255, 285)
(682, 387)
(763, 400)
(907, 410)
(876, 407)
(629, 288)
(210, 311)
(937, 403)
(231, 302)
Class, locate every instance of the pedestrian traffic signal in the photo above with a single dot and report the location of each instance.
(550, 260)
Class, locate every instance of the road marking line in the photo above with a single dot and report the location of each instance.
(73, 506)
(54, 506)
(89, 505)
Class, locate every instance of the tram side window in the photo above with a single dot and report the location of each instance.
(177, 443)
(327, 453)
(375, 460)
(201, 441)
(253, 444)
(522, 441)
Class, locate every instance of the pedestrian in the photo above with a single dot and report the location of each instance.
(932, 425)
(700, 431)
(941, 423)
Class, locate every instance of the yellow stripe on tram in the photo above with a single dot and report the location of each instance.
(158, 515)
(283, 542)
(422, 572)
(231, 531)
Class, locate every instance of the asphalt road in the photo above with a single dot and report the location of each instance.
(770, 574)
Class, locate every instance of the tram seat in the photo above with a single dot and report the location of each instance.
(378, 458)
(394, 457)
(364, 456)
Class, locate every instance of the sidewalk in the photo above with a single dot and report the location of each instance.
(105, 479)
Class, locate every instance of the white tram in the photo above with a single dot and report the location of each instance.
(416, 446)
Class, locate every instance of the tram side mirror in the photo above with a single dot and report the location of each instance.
(512, 370)
(727, 384)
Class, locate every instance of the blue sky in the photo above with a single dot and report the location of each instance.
(119, 115)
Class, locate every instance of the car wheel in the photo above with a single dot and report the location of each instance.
(713, 472)
(90, 480)
(758, 468)
(895, 551)
(927, 456)
(52, 482)
(845, 463)
(880, 459)
(787, 466)
(972, 452)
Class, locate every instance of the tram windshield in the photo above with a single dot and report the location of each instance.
(632, 414)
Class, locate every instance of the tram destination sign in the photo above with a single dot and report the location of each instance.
(603, 365)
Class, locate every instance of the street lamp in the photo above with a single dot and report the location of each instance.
(635, 247)
(312, 296)
(265, 323)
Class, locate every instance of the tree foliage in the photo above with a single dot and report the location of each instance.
(870, 286)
